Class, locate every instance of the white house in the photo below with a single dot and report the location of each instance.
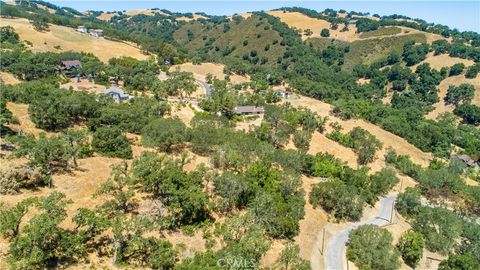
(96, 32)
(82, 29)
(118, 95)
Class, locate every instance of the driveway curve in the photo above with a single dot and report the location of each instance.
(335, 255)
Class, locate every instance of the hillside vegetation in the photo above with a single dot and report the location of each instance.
(351, 121)
(252, 38)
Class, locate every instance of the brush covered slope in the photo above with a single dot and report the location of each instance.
(256, 140)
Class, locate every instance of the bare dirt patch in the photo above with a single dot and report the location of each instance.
(185, 113)
(200, 71)
(8, 78)
(192, 244)
(249, 123)
(70, 40)
(84, 85)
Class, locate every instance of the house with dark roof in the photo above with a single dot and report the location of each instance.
(117, 94)
(467, 160)
(247, 110)
(70, 64)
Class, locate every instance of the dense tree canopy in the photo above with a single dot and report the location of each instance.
(370, 247)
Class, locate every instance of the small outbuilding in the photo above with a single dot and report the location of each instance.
(117, 94)
(82, 29)
(247, 110)
(281, 93)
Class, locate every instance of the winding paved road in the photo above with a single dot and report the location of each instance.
(335, 257)
(208, 90)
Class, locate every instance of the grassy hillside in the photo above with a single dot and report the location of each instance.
(387, 31)
(369, 50)
(60, 38)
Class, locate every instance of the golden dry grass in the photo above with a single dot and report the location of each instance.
(20, 112)
(320, 143)
(246, 15)
(443, 60)
(363, 81)
(79, 186)
(301, 21)
(311, 224)
(185, 113)
(70, 40)
(440, 107)
(388, 139)
(430, 37)
(51, 11)
(147, 12)
(106, 16)
(8, 78)
(186, 19)
(249, 123)
(201, 71)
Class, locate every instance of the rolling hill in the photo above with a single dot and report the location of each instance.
(172, 177)
(60, 38)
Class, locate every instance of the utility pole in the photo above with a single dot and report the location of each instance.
(346, 258)
(391, 213)
(323, 241)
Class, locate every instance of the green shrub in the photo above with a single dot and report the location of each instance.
(411, 246)
(370, 247)
(111, 142)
